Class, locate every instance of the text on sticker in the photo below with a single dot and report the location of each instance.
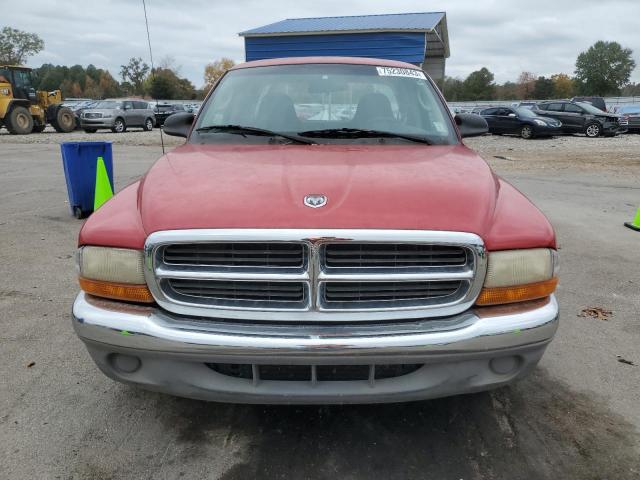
(400, 72)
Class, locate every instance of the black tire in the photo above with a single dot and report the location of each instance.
(527, 132)
(38, 128)
(90, 130)
(19, 121)
(119, 126)
(593, 130)
(64, 121)
(148, 125)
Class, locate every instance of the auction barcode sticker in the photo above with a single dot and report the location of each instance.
(400, 72)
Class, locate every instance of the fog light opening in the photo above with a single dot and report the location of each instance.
(505, 365)
(124, 363)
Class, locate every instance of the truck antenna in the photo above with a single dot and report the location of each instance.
(153, 70)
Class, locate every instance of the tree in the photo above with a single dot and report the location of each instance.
(479, 85)
(563, 86)
(16, 46)
(164, 84)
(543, 88)
(507, 91)
(526, 84)
(213, 71)
(604, 68)
(134, 72)
(452, 89)
(108, 85)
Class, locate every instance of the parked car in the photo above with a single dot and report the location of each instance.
(631, 114)
(118, 115)
(529, 105)
(520, 121)
(597, 102)
(579, 117)
(478, 110)
(80, 107)
(281, 259)
(162, 111)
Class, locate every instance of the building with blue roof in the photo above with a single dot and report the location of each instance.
(418, 38)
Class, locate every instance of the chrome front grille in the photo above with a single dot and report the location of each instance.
(315, 275)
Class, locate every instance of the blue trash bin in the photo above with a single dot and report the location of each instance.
(79, 160)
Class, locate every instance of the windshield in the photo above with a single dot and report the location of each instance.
(590, 108)
(525, 112)
(629, 110)
(297, 99)
(106, 104)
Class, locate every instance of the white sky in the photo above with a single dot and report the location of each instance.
(506, 36)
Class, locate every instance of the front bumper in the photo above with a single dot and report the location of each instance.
(614, 128)
(547, 130)
(473, 351)
(96, 123)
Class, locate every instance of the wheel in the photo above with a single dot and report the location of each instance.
(90, 130)
(119, 126)
(19, 121)
(148, 125)
(64, 120)
(526, 132)
(38, 128)
(592, 130)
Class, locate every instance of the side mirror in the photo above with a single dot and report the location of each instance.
(471, 125)
(178, 124)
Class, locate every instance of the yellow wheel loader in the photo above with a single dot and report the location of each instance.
(23, 110)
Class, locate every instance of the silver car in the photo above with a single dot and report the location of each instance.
(117, 115)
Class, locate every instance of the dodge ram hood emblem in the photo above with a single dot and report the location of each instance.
(315, 201)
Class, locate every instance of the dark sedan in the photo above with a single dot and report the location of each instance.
(520, 121)
(162, 111)
(579, 117)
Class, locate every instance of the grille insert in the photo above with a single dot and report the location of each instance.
(394, 255)
(229, 290)
(267, 255)
(388, 291)
(313, 373)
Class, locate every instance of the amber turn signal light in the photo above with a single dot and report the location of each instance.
(517, 293)
(116, 291)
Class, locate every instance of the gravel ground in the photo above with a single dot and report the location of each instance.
(615, 157)
(575, 418)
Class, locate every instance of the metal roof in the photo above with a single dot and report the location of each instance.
(397, 22)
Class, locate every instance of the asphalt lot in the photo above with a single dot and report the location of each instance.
(577, 417)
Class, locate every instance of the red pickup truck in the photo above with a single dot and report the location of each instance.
(323, 236)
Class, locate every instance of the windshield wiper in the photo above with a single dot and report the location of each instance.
(361, 133)
(242, 130)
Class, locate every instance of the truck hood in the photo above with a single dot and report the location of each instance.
(367, 186)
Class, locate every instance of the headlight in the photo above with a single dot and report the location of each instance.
(542, 123)
(116, 273)
(519, 275)
(106, 115)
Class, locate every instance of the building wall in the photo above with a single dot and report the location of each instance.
(434, 66)
(403, 46)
